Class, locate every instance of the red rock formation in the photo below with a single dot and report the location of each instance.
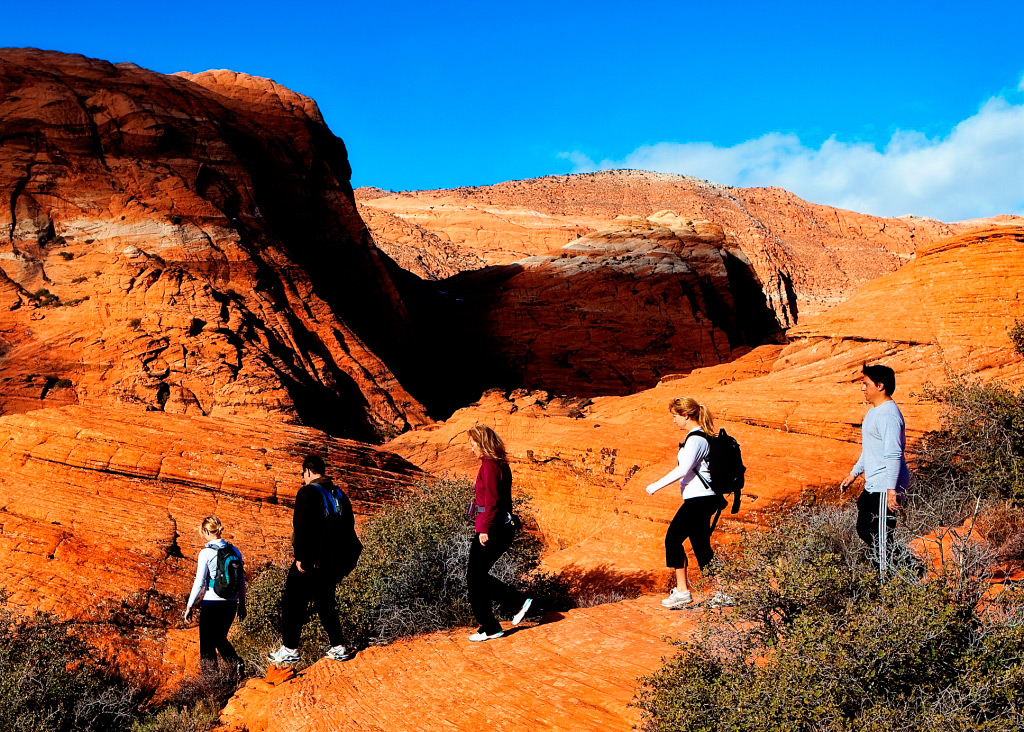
(808, 257)
(611, 313)
(100, 510)
(187, 243)
(796, 409)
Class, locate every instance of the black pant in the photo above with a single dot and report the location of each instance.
(299, 590)
(692, 521)
(215, 619)
(485, 589)
(867, 522)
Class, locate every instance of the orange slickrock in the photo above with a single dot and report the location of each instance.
(796, 410)
(577, 672)
(808, 257)
(188, 243)
(101, 507)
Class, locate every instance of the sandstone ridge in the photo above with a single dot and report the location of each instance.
(190, 244)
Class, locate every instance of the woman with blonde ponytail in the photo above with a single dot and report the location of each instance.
(700, 504)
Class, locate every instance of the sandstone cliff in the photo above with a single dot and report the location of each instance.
(610, 313)
(188, 243)
(808, 257)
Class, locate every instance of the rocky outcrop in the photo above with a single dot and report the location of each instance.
(808, 257)
(101, 507)
(573, 672)
(610, 313)
(188, 244)
(795, 409)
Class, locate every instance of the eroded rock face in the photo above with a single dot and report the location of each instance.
(190, 244)
(101, 507)
(611, 313)
(795, 409)
(808, 257)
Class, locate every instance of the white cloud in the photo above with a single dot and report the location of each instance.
(976, 170)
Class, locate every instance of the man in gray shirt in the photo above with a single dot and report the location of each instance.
(882, 461)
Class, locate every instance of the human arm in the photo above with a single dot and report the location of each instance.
(893, 443)
(201, 581)
(306, 527)
(690, 454)
(486, 489)
(858, 469)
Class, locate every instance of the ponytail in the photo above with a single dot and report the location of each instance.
(691, 408)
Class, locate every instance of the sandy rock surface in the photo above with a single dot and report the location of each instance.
(578, 672)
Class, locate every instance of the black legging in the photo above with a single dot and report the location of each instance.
(692, 521)
(215, 618)
(299, 589)
(485, 589)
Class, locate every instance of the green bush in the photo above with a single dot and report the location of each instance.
(1017, 336)
(411, 577)
(50, 680)
(979, 449)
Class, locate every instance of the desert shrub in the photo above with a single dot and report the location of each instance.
(135, 322)
(1016, 332)
(50, 680)
(79, 280)
(193, 707)
(978, 450)
(66, 255)
(410, 578)
(911, 657)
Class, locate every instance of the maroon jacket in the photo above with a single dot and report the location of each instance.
(493, 495)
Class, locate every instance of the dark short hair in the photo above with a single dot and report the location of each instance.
(881, 375)
(314, 464)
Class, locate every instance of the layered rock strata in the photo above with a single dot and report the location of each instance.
(808, 257)
(610, 313)
(188, 244)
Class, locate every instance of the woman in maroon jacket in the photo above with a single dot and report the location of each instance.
(496, 528)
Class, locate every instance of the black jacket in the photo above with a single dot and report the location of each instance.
(313, 545)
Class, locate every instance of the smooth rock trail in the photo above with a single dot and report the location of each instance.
(578, 672)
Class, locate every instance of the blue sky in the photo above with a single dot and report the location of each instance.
(887, 108)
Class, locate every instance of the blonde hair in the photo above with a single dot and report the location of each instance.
(212, 525)
(690, 407)
(490, 444)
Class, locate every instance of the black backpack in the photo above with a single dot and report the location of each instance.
(228, 579)
(339, 544)
(725, 462)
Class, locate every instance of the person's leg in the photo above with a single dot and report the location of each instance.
(867, 520)
(326, 602)
(226, 616)
(508, 598)
(478, 582)
(700, 529)
(208, 637)
(675, 553)
(294, 607)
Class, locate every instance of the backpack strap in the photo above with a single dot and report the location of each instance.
(701, 433)
(331, 504)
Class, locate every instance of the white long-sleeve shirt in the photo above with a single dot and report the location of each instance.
(693, 458)
(884, 442)
(206, 570)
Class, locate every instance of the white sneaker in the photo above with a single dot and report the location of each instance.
(722, 600)
(677, 599)
(283, 655)
(338, 653)
(482, 636)
(518, 617)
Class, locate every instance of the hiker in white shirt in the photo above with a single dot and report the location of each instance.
(216, 612)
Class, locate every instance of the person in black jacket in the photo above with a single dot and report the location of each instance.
(323, 532)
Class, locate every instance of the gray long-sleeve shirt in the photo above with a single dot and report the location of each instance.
(883, 444)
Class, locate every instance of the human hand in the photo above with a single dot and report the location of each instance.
(847, 481)
(892, 500)
(483, 539)
(298, 566)
(650, 489)
(187, 615)
(242, 612)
